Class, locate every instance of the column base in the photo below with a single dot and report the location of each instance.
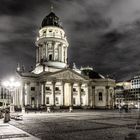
(70, 109)
(12, 108)
(23, 110)
(48, 110)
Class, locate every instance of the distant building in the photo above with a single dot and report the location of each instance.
(53, 83)
(5, 97)
(135, 82)
(120, 94)
(128, 93)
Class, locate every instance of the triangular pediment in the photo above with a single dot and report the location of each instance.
(68, 74)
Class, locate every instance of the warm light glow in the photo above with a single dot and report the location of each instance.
(17, 84)
(12, 79)
(11, 83)
(5, 83)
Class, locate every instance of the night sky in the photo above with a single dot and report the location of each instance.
(104, 34)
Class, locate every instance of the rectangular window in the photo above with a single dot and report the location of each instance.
(82, 90)
(57, 88)
(48, 88)
(74, 89)
(32, 88)
(100, 96)
(47, 100)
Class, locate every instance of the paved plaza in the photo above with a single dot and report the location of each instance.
(10, 132)
(79, 125)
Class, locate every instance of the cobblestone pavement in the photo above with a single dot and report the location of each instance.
(85, 125)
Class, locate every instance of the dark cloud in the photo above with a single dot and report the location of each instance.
(103, 34)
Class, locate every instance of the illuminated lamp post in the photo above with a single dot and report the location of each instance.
(11, 85)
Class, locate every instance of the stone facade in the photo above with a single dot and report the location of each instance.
(53, 83)
(66, 88)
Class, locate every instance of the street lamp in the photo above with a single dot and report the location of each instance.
(11, 85)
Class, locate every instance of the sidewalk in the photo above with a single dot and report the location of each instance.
(9, 132)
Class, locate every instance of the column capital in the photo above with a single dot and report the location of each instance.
(71, 83)
(43, 82)
(63, 82)
(79, 83)
(53, 82)
(28, 82)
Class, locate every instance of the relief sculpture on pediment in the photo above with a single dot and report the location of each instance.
(68, 75)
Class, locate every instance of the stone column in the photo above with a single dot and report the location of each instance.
(13, 96)
(93, 97)
(28, 93)
(113, 99)
(63, 94)
(71, 94)
(53, 93)
(41, 52)
(38, 94)
(18, 97)
(107, 96)
(23, 97)
(37, 54)
(88, 94)
(43, 93)
(46, 50)
(23, 94)
(79, 92)
(53, 46)
(66, 55)
(62, 53)
(59, 53)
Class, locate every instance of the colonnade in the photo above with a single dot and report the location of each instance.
(63, 93)
(56, 49)
(83, 98)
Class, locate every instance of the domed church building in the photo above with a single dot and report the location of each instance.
(53, 83)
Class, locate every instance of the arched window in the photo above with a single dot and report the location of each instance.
(100, 96)
(44, 33)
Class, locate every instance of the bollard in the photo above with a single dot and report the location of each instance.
(7, 116)
(23, 110)
(48, 110)
(70, 109)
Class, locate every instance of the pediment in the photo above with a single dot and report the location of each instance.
(68, 75)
